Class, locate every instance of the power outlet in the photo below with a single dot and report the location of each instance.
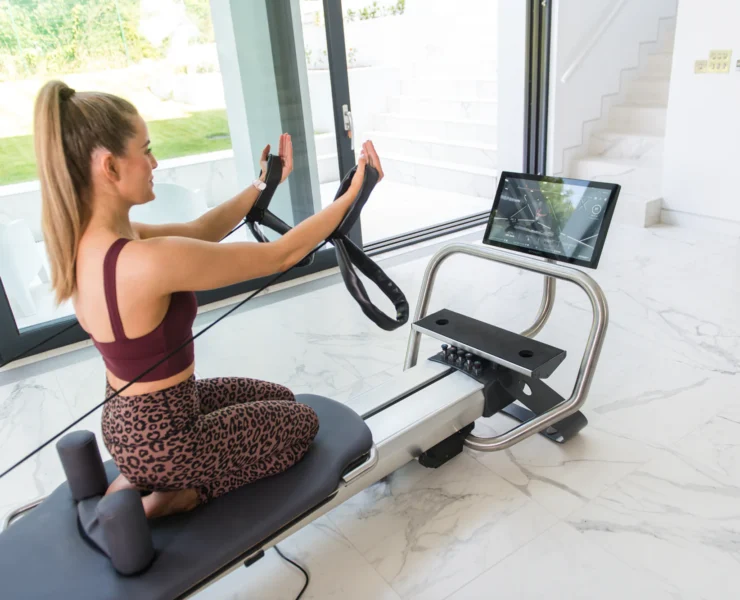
(719, 61)
(701, 66)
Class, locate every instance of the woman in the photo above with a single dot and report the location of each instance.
(185, 440)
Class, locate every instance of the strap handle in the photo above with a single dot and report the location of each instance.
(349, 255)
(260, 215)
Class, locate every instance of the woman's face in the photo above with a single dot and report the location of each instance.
(136, 181)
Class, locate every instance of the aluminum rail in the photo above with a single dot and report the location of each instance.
(551, 271)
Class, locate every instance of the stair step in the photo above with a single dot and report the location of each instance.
(647, 149)
(474, 154)
(451, 88)
(638, 118)
(464, 69)
(326, 143)
(649, 91)
(658, 65)
(328, 166)
(667, 40)
(636, 178)
(640, 200)
(463, 131)
(441, 108)
(441, 175)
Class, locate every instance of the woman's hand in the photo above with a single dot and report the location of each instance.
(285, 153)
(368, 156)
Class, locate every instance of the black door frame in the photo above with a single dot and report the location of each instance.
(62, 332)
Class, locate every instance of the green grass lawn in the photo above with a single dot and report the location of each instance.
(205, 131)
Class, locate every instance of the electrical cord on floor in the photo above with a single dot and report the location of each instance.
(295, 564)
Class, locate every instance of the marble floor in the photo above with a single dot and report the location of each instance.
(644, 503)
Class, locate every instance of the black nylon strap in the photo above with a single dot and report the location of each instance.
(349, 255)
(260, 215)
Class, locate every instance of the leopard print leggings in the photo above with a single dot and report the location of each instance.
(213, 435)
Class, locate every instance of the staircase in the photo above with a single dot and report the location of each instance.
(439, 132)
(628, 149)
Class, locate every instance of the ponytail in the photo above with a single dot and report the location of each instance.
(67, 128)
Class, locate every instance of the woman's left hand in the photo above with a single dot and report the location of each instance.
(286, 156)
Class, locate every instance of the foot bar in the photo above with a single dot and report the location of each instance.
(549, 270)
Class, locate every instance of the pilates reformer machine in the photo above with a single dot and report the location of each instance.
(77, 543)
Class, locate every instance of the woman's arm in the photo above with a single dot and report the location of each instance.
(181, 264)
(213, 225)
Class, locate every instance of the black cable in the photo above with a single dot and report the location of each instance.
(76, 323)
(150, 369)
(41, 343)
(295, 564)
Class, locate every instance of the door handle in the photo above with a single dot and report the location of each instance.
(349, 124)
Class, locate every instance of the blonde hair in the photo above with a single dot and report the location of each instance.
(68, 127)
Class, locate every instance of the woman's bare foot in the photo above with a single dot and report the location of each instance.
(121, 483)
(161, 504)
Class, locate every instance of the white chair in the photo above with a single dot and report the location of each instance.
(20, 264)
(173, 203)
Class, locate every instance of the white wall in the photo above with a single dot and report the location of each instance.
(701, 149)
(579, 99)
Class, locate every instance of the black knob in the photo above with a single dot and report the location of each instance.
(444, 348)
(461, 352)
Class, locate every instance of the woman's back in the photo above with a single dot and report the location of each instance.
(131, 325)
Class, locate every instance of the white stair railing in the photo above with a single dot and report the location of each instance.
(590, 41)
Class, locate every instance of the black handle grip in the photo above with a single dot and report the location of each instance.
(272, 181)
(260, 215)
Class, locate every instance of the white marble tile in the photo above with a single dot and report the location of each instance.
(563, 477)
(676, 518)
(337, 571)
(717, 443)
(661, 406)
(32, 412)
(563, 565)
(429, 533)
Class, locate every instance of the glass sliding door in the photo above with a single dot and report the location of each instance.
(423, 85)
(215, 81)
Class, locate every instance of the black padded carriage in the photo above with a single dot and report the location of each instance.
(44, 555)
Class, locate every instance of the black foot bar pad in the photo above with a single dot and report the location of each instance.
(349, 255)
(260, 215)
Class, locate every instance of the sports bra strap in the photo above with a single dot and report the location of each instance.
(109, 285)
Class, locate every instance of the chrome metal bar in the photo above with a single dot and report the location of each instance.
(371, 461)
(12, 516)
(488, 253)
(548, 300)
(590, 356)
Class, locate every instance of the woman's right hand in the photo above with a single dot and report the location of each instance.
(368, 156)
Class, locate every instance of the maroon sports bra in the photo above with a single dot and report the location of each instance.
(127, 358)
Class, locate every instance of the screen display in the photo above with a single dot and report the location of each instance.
(562, 219)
